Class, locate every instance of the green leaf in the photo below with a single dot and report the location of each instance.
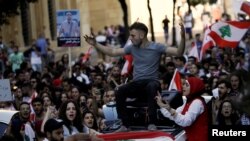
(225, 31)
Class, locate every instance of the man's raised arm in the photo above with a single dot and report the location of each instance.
(180, 50)
(104, 49)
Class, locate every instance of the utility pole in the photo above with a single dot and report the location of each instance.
(174, 30)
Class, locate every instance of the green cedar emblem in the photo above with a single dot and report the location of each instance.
(225, 31)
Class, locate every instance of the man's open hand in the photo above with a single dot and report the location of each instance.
(90, 39)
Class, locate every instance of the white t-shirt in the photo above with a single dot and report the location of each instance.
(35, 58)
(188, 21)
(66, 132)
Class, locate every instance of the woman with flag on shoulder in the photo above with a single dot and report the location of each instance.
(192, 115)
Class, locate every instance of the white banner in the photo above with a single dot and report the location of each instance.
(5, 91)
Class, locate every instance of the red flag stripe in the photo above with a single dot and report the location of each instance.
(205, 47)
(178, 81)
(242, 25)
(222, 43)
(175, 83)
(127, 68)
(207, 42)
(134, 135)
(237, 28)
(86, 56)
(245, 7)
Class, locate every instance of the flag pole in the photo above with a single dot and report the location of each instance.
(70, 58)
(171, 83)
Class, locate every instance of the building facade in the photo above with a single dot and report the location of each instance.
(40, 17)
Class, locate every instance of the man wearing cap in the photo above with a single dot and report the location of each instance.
(53, 129)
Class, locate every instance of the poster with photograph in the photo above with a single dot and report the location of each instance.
(68, 28)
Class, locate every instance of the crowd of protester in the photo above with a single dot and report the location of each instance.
(42, 87)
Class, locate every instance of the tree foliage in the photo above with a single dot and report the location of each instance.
(10, 8)
(125, 15)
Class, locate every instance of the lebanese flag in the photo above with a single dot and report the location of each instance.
(228, 34)
(175, 83)
(128, 65)
(245, 7)
(87, 55)
(32, 117)
(207, 43)
(194, 51)
(138, 136)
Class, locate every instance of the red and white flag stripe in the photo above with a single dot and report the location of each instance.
(138, 136)
(207, 42)
(87, 55)
(245, 7)
(235, 31)
(194, 51)
(128, 66)
(175, 83)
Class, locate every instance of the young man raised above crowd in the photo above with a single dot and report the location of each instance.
(146, 59)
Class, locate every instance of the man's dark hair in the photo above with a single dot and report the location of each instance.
(37, 99)
(170, 64)
(215, 64)
(139, 26)
(53, 124)
(197, 35)
(192, 58)
(181, 58)
(26, 84)
(24, 103)
(227, 83)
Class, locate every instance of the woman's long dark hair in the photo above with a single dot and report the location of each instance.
(95, 127)
(233, 117)
(76, 122)
(241, 82)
